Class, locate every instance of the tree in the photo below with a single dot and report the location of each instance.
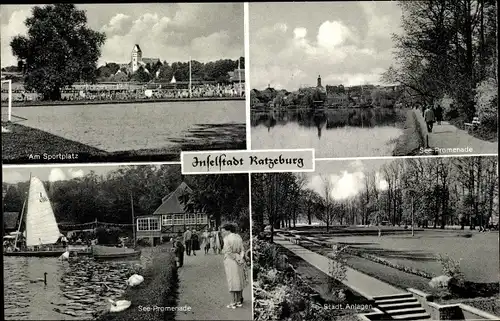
(58, 50)
(141, 75)
(329, 212)
(223, 197)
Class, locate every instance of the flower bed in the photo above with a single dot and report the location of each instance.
(280, 293)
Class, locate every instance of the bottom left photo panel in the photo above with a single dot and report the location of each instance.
(121, 242)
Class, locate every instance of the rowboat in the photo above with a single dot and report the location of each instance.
(101, 252)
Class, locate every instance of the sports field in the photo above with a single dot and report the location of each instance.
(114, 128)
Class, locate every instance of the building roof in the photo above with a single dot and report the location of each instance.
(151, 61)
(171, 204)
(137, 48)
(10, 220)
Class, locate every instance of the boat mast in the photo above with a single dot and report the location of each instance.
(133, 218)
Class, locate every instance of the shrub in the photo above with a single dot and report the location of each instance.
(108, 235)
(451, 268)
(143, 242)
(486, 100)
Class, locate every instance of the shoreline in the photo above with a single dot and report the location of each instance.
(117, 101)
(411, 141)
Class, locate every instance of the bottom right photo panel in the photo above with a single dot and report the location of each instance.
(378, 239)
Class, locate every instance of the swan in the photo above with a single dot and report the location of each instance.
(120, 305)
(44, 279)
(135, 279)
(65, 256)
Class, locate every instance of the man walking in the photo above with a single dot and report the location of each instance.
(429, 118)
(187, 241)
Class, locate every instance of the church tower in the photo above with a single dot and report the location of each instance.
(136, 58)
(319, 82)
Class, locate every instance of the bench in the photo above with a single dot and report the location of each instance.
(473, 125)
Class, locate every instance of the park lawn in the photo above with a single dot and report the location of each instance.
(160, 288)
(379, 271)
(478, 254)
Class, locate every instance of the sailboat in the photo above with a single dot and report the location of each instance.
(40, 226)
(103, 252)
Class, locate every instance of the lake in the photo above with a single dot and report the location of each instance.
(134, 126)
(332, 133)
(75, 289)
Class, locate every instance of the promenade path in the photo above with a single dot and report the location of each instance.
(203, 287)
(361, 283)
(447, 136)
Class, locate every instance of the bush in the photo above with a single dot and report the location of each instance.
(143, 242)
(486, 100)
(108, 236)
(338, 269)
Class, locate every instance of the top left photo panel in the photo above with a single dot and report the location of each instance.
(135, 82)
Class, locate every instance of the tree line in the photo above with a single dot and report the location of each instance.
(437, 191)
(447, 51)
(107, 198)
(59, 49)
(211, 71)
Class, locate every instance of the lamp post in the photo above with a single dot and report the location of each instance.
(412, 193)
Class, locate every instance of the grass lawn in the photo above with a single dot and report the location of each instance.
(478, 254)
(23, 141)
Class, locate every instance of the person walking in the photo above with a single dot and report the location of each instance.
(439, 114)
(179, 251)
(234, 264)
(429, 118)
(205, 237)
(187, 241)
(195, 242)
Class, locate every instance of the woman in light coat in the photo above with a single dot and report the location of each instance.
(234, 264)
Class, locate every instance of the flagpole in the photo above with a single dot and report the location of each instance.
(190, 90)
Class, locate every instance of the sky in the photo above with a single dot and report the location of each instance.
(169, 31)
(52, 174)
(347, 177)
(346, 43)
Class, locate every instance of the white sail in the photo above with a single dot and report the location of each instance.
(173, 81)
(41, 225)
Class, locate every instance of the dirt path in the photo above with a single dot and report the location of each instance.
(203, 287)
(451, 140)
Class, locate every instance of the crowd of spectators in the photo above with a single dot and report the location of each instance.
(197, 91)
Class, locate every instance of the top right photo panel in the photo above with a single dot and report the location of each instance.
(373, 78)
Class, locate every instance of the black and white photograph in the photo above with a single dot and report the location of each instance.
(125, 243)
(121, 82)
(378, 239)
(374, 78)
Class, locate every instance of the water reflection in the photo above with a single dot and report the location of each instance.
(75, 289)
(364, 132)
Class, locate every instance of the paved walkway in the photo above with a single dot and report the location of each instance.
(361, 283)
(447, 136)
(203, 287)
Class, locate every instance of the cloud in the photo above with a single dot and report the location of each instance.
(75, 173)
(12, 176)
(56, 174)
(14, 26)
(119, 24)
(352, 45)
(170, 32)
(332, 34)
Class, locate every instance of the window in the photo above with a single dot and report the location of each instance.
(178, 219)
(202, 219)
(166, 220)
(148, 224)
(154, 224)
(191, 219)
